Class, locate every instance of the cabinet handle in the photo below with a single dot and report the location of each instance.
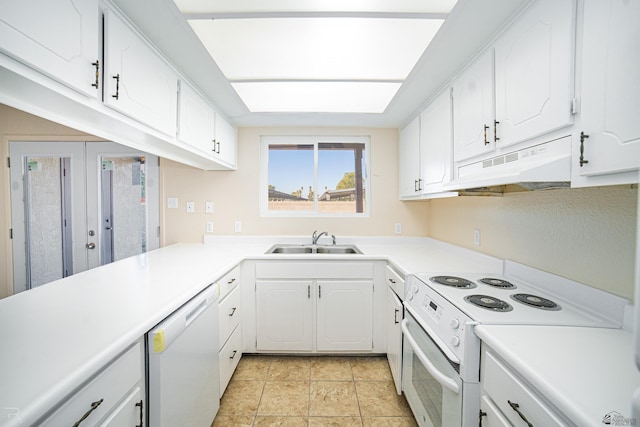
(233, 311)
(218, 145)
(309, 291)
(419, 184)
(94, 405)
(392, 281)
(583, 136)
(319, 291)
(233, 354)
(395, 316)
(495, 131)
(117, 95)
(231, 281)
(480, 415)
(141, 406)
(485, 135)
(97, 65)
(415, 185)
(516, 408)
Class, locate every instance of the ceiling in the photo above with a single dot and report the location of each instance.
(386, 92)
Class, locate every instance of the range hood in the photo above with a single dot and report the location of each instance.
(542, 166)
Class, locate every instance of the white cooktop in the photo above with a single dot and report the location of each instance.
(566, 313)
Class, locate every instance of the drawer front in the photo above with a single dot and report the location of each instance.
(228, 282)
(229, 315)
(314, 270)
(395, 282)
(513, 398)
(108, 388)
(128, 413)
(229, 357)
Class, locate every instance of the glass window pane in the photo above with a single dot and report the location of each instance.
(341, 178)
(291, 177)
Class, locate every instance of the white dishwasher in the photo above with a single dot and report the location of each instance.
(184, 385)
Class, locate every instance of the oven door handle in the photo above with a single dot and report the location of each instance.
(444, 380)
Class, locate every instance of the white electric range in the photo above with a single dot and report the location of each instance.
(441, 360)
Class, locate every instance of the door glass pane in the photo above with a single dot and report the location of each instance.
(291, 176)
(124, 208)
(45, 234)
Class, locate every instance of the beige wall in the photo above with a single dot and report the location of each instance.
(588, 235)
(235, 194)
(16, 125)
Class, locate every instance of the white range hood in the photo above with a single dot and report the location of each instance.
(546, 165)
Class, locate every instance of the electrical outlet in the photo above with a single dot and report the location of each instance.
(398, 228)
(209, 226)
(476, 237)
(172, 203)
(237, 226)
(191, 207)
(208, 207)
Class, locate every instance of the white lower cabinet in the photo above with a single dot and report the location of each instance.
(229, 325)
(309, 307)
(508, 400)
(113, 398)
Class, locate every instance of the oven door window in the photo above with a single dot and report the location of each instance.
(432, 399)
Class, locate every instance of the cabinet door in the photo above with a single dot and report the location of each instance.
(130, 412)
(534, 73)
(409, 159)
(491, 416)
(138, 82)
(195, 120)
(610, 87)
(474, 109)
(345, 315)
(284, 315)
(394, 337)
(435, 144)
(226, 140)
(57, 37)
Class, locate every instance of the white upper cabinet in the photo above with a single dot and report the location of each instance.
(474, 109)
(436, 144)
(196, 120)
(226, 141)
(534, 72)
(610, 92)
(138, 82)
(409, 159)
(57, 37)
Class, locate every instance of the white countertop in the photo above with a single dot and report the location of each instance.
(55, 336)
(585, 372)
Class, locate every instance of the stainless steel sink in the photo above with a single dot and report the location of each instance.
(313, 249)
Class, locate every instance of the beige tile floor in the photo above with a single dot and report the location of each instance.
(314, 391)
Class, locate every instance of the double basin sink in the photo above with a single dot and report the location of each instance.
(313, 249)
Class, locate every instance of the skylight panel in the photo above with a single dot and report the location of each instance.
(321, 97)
(316, 48)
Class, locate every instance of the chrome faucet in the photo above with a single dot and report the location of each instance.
(315, 236)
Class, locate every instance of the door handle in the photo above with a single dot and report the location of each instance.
(91, 245)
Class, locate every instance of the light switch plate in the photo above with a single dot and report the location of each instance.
(209, 226)
(172, 203)
(191, 207)
(237, 226)
(208, 207)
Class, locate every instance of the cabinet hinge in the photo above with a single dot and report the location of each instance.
(575, 106)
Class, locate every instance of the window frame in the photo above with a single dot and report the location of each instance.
(315, 140)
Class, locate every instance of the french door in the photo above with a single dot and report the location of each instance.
(77, 205)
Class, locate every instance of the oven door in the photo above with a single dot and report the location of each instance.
(430, 382)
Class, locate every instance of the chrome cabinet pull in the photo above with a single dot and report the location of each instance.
(141, 406)
(485, 135)
(319, 291)
(233, 354)
(482, 414)
(231, 281)
(309, 291)
(495, 131)
(395, 316)
(233, 311)
(94, 405)
(516, 408)
(583, 136)
(392, 281)
(117, 95)
(97, 65)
